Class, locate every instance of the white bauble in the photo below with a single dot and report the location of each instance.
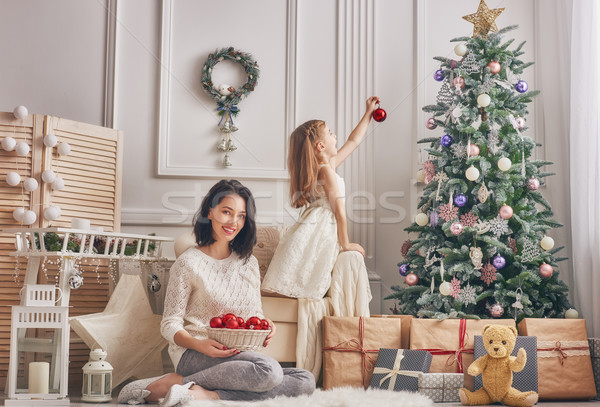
(52, 212)
(571, 313)
(504, 164)
(472, 173)
(484, 100)
(48, 176)
(420, 176)
(18, 214)
(547, 243)
(58, 184)
(8, 143)
(50, 140)
(13, 178)
(422, 219)
(445, 288)
(22, 148)
(64, 149)
(460, 49)
(223, 89)
(29, 217)
(30, 184)
(20, 112)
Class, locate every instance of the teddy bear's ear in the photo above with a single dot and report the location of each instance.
(512, 328)
(485, 328)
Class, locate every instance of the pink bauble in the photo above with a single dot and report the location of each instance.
(505, 212)
(431, 124)
(459, 82)
(494, 67)
(533, 184)
(456, 228)
(496, 310)
(546, 270)
(428, 179)
(520, 122)
(472, 150)
(411, 279)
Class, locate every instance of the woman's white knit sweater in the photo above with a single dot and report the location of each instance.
(201, 288)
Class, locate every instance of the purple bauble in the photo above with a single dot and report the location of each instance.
(521, 86)
(431, 124)
(434, 218)
(498, 261)
(404, 269)
(446, 140)
(460, 200)
(438, 75)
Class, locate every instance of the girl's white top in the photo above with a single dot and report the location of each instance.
(201, 288)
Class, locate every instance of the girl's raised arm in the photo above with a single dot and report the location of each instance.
(358, 134)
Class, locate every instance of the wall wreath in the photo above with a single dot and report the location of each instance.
(226, 96)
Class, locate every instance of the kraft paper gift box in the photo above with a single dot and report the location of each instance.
(406, 321)
(526, 379)
(441, 387)
(595, 355)
(450, 341)
(351, 345)
(399, 369)
(564, 364)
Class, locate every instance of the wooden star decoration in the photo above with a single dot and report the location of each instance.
(483, 20)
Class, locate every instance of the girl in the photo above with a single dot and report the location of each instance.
(217, 276)
(304, 259)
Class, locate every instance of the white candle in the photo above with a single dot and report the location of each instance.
(83, 224)
(39, 377)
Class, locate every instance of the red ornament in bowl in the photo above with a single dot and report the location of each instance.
(216, 322)
(228, 316)
(254, 323)
(232, 323)
(264, 324)
(379, 115)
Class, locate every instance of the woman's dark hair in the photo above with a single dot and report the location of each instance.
(244, 242)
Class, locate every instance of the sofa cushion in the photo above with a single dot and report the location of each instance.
(267, 239)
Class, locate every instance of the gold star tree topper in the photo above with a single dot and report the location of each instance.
(484, 20)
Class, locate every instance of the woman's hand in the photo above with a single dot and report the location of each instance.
(214, 349)
(353, 247)
(273, 329)
(372, 104)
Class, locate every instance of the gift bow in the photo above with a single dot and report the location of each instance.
(456, 355)
(563, 352)
(395, 371)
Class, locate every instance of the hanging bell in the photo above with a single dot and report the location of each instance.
(155, 284)
(222, 145)
(75, 281)
(226, 161)
(231, 146)
(233, 128)
(226, 128)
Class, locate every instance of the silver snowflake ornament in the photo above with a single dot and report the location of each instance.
(467, 295)
(459, 150)
(499, 226)
(493, 141)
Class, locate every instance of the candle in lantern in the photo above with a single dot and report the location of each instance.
(39, 377)
(83, 224)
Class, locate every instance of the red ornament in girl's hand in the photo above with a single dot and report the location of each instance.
(264, 325)
(232, 323)
(216, 322)
(253, 323)
(379, 114)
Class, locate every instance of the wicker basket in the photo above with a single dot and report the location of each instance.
(240, 339)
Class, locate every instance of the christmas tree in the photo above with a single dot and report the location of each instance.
(482, 247)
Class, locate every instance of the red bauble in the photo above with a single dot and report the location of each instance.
(232, 323)
(240, 321)
(494, 67)
(412, 279)
(505, 212)
(216, 322)
(254, 323)
(227, 317)
(264, 325)
(546, 270)
(379, 114)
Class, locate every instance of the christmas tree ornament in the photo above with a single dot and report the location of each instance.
(29, 218)
(521, 86)
(446, 140)
(405, 248)
(460, 200)
(571, 314)
(50, 140)
(472, 150)
(438, 75)
(379, 114)
(456, 228)
(8, 144)
(493, 141)
(494, 67)
(476, 256)
(58, 184)
(460, 49)
(520, 122)
(64, 149)
(48, 176)
(546, 270)
(20, 112)
(533, 184)
(404, 269)
(518, 305)
(431, 124)
(512, 243)
(483, 193)
(422, 219)
(22, 149)
(420, 176)
(434, 218)
(467, 295)
(547, 243)
(484, 20)
(445, 96)
(13, 178)
(155, 284)
(472, 173)
(456, 113)
(496, 310)
(440, 177)
(30, 184)
(412, 279)
(52, 212)
(18, 214)
(455, 288)
(530, 251)
(75, 280)
(469, 219)
(499, 262)
(445, 288)
(504, 164)
(499, 226)
(459, 150)
(484, 100)
(448, 212)
(459, 82)
(488, 274)
(505, 212)
(469, 64)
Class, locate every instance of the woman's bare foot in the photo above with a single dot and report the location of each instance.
(200, 393)
(161, 387)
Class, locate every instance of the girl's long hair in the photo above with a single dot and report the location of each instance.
(245, 240)
(303, 164)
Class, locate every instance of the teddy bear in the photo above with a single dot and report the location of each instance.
(497, 369)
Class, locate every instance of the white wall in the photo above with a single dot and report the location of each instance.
(340, 53)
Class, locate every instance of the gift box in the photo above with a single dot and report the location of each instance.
(564, 363)
(450, 341)
(406, 321)
(595, 355)
(351, 345)
(399, 369)
(441, 387)
(526, 379)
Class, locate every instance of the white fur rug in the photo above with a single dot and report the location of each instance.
(339, 397)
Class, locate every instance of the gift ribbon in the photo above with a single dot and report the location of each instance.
(564, 352)
(395, 371)
(227, 109)
(456, 355)
(356, 345)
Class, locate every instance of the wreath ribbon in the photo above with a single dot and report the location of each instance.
(227, 109)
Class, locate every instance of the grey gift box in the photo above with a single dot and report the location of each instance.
(411, 363)
(526, 379)
(441, 387)
(595, 354)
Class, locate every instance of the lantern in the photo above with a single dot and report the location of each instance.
(97, 378)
